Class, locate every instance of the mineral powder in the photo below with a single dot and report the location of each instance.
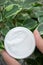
(19, 42)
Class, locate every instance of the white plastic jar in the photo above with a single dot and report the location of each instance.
(19, 42)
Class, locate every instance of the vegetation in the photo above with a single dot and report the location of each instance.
(26, 13)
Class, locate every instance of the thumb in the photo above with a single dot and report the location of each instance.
(9, 60)
(39, 40)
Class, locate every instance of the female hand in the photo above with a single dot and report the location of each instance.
(39, 43)
(8, 59)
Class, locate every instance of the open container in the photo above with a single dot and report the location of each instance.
(19, 42)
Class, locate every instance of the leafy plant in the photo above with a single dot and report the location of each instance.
(26, 13)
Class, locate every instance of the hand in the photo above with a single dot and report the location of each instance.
(9, 60)
(39, 41)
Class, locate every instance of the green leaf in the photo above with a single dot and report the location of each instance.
(22, 16)
(1, 45)
(24, 3)
(38, 11)
(9, 7)
(0, 17)
(12, 10)
(9, 23)
(40, 28)
(4, 30)
(30, 23)
(36, 4)
(27, 3)
(40, 19)
(2, 2)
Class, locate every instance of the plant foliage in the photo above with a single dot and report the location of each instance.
(26, 13)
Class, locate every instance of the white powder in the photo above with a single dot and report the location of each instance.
(19, 42)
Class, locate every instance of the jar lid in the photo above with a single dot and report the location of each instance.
(19, 42)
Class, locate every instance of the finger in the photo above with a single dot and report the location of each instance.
(39, 40)
(9, 60)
